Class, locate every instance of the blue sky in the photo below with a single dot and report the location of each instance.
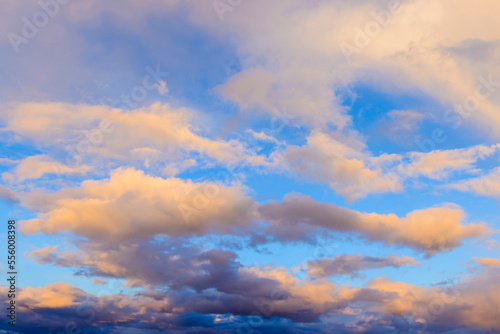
(174, 162)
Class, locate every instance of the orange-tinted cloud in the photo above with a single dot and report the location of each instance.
(131, 204)
(487, 262)
(486, 185)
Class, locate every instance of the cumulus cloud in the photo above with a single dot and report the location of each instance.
(131, 204)
(352, 264)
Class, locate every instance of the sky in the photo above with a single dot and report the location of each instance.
(251, 166)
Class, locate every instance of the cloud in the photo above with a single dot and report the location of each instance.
(131, 205)
(34, 167)
(306, 67)
(7, 161)
(400, 126)
(308, 60)
(136, 225)
(60, 306)
(55, 295)
(212, 281)
(262, 136)
(7, 194)
(344, 168)
(470, 304)
(439, 164)
(160, 138)
(430, 230)
(351, 265)
(299, 90)
(487, 262)
(352, 171)
(162, 88)
(208, 281)
(100, 133)
(486, 185)
(99, 281)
